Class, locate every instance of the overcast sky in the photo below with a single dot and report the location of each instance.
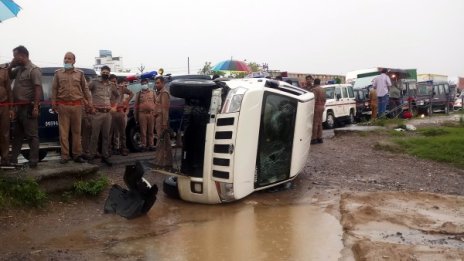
(325, 36)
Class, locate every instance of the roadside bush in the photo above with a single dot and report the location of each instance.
(92, 187)
(21, 193)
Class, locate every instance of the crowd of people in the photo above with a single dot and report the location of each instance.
(94, 113)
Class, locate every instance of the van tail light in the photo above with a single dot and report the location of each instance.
(225, 191)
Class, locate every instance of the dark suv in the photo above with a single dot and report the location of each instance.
(434, 96)
(175, 112)
(48, 121)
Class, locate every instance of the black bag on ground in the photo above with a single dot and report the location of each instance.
(136, 201)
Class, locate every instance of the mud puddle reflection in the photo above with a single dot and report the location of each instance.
(242, 231)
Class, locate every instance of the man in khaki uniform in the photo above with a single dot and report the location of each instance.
(27, 93)
(86, 128)
(145, 112)
(6, 114)
(101, 118)
(373, 102)
(319, 106)
(163, 154)
(69, 93)
(119, 117)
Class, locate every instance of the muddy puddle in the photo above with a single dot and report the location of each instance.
(242, 231)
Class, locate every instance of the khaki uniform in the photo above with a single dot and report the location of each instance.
(145, 111)
(163, 154)
(118, 118)
(69, 94)
(6, 101)
(101, 120)
(26, 77)
(319, 106)
(373, 102)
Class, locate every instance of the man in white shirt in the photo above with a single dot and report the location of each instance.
(382, 84)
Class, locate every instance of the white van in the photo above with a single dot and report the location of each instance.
(240, 136)
(340, 105)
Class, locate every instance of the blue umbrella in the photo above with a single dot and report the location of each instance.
(8, 9)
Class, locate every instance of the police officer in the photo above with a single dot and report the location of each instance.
(319, 106)
(119, 117)
(6, 114)
(69, 93)
(163, 154)
(27, 92)
(145, 112)
(101, 90)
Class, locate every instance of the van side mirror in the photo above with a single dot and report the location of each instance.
(339, 96)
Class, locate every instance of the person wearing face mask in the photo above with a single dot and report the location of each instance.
(27, 92)
(145, 113)
(119, 117)
(69, 93)
(101, 90)
(6, 114)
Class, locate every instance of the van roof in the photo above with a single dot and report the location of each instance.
(335, 85)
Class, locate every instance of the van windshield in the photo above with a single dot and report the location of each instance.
(423, 90)
(329, 92)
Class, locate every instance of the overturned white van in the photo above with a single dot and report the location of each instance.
(240, 136)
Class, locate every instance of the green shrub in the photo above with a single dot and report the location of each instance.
(92, 187)
(430, 132)
(18, 192)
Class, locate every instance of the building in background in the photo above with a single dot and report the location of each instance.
(431, 77)
(106, 58)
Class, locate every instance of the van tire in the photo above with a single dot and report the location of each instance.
(42, 154)
(192, 89)
(170, 187)
(329, 121)
(133, 138)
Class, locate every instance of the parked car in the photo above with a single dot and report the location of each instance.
(175, 111)
(340, 105)
(48, 120)
(243, 135)
(433, 96)
(458, 102)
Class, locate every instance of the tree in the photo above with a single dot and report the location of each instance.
(255, 67)
(207, 69)
(141, 68)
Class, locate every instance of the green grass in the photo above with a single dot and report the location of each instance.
(91, 187)
(443, 144)
(19, 193)
(385, 122)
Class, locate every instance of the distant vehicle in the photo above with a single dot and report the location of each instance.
(434, 96)
(48, 120)
(458, 102)
(363, 105)
(175, 111)
(243, 135)
(340, 105)
(293, 81)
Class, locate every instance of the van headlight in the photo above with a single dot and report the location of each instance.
(225, 191)
(233, 100)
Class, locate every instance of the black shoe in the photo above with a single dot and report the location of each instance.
(79, 160)
(115, 152)
(64, 161)
(93, 161)
(151, 148)
(320, 141)
(107, 162)
(314, 141)
(143, 149)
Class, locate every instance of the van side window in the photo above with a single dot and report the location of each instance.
(338, 92)
(345, 92)
(441, 89)
(435, 89)
(447, 89)
(350, 92)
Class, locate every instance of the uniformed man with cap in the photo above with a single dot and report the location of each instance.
(101, 90)
(27, 93)
(69, 93)
(6, 114)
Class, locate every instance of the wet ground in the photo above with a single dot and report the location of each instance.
(352, 202)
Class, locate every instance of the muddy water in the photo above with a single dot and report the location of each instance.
(242, 231)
